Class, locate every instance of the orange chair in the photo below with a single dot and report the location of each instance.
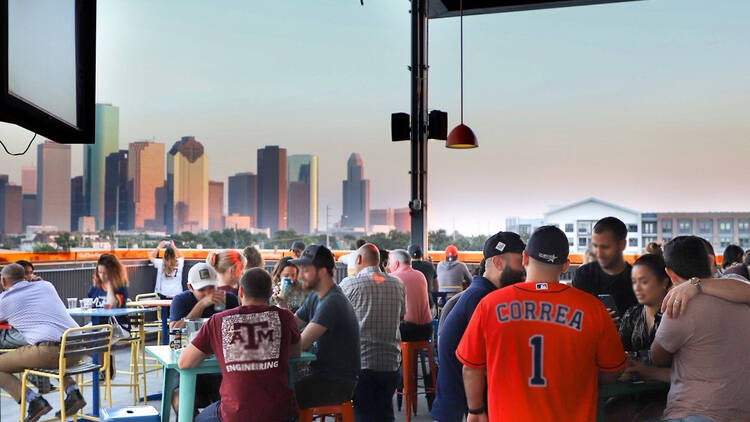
(339, 412)
(409, 351)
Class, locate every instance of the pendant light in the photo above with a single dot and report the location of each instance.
(462, 136)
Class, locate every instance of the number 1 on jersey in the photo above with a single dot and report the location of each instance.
(537, 378)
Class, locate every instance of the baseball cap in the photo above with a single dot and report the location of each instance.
(297, 246)
(451, 252)
(548, 244)
(415, 251)
(503, 242)
(202, 275)
(317, 255)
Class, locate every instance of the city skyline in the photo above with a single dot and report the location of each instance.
(617, 101)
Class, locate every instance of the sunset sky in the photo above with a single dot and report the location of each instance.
(644, 104)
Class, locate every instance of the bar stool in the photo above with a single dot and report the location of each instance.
(409, 351)
(339, 412)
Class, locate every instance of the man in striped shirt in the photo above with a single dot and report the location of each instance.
(379, 301)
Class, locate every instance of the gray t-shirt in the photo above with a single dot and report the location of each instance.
(710, 373)
(337, 350)
(452, 274)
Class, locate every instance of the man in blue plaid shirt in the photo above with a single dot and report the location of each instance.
(379, 301)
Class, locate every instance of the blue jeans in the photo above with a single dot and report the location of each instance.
(211, 414)
(373, 396)
(691, 418)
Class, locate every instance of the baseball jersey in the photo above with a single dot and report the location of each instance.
(542, 345)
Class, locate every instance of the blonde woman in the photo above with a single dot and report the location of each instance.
(229, 265)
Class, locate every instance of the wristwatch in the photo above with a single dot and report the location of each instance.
(695, 281)
(478, 411)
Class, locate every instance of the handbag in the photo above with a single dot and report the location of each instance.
(118, 331)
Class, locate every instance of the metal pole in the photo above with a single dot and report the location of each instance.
(418, 202)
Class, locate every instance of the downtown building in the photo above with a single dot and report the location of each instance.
(117, 201)
(53, 202)
(215, 206)
(146, 186)
(242, 195)
(302, 202)
(106, 142)
(11, 207)
(356, 196)
(272, 185)
(187, 187)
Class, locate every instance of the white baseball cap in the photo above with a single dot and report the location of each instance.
(202, 275)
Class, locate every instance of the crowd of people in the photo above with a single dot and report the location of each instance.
(514, 343)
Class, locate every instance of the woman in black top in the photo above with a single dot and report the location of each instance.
(650, 284)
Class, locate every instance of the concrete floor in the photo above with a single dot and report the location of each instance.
(121, 396)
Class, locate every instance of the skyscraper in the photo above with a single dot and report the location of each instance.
(11, 205)
(242, 195)
(215, 206)
(28, 180)
(106, 141)
(356, 195)
(77, 202)
(145, 177)
(53, 185)
(30, 216)
(272, 188)
(302, 207)
(117, 201)
(187, 187)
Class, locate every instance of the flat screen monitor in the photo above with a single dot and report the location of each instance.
(47, 72)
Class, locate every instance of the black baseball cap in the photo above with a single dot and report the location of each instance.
(415, 251)
(317, 255)
(297, 246)
(548, 244)
(502, 242)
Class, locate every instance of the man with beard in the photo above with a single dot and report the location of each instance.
(331, 332)
(503, 267)
(609, 274)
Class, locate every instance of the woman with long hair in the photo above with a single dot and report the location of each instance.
(732, 255)
(291, 296)
(109, 283)
(229, 265)
(168, 269)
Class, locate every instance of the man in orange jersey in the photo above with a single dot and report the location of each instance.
(541, 345)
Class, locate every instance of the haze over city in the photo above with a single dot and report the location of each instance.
(638, 103)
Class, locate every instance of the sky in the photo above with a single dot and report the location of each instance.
(643, 104)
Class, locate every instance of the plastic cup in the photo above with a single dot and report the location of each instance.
(72, 302)
(86, 304)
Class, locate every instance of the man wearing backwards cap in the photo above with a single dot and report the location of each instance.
(541, 345)
(502, 253)
(197, 302)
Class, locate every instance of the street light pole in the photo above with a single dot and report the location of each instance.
(418, 203)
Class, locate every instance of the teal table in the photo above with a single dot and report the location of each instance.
(168, 358)
(626, 388)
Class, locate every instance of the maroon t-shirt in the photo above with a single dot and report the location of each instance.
(251, 344)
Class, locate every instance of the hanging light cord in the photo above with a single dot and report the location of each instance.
(15, 154)
(461, 11)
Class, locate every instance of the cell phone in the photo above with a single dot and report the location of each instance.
(608, 301)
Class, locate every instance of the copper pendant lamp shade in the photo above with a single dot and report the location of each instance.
(462, 137)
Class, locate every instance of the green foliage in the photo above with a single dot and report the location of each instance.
(43, 247)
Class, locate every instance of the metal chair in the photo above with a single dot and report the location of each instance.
(76, 343)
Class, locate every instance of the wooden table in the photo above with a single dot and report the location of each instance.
(625, 388)
(164, 304)
(168, 358)
(101, 316)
